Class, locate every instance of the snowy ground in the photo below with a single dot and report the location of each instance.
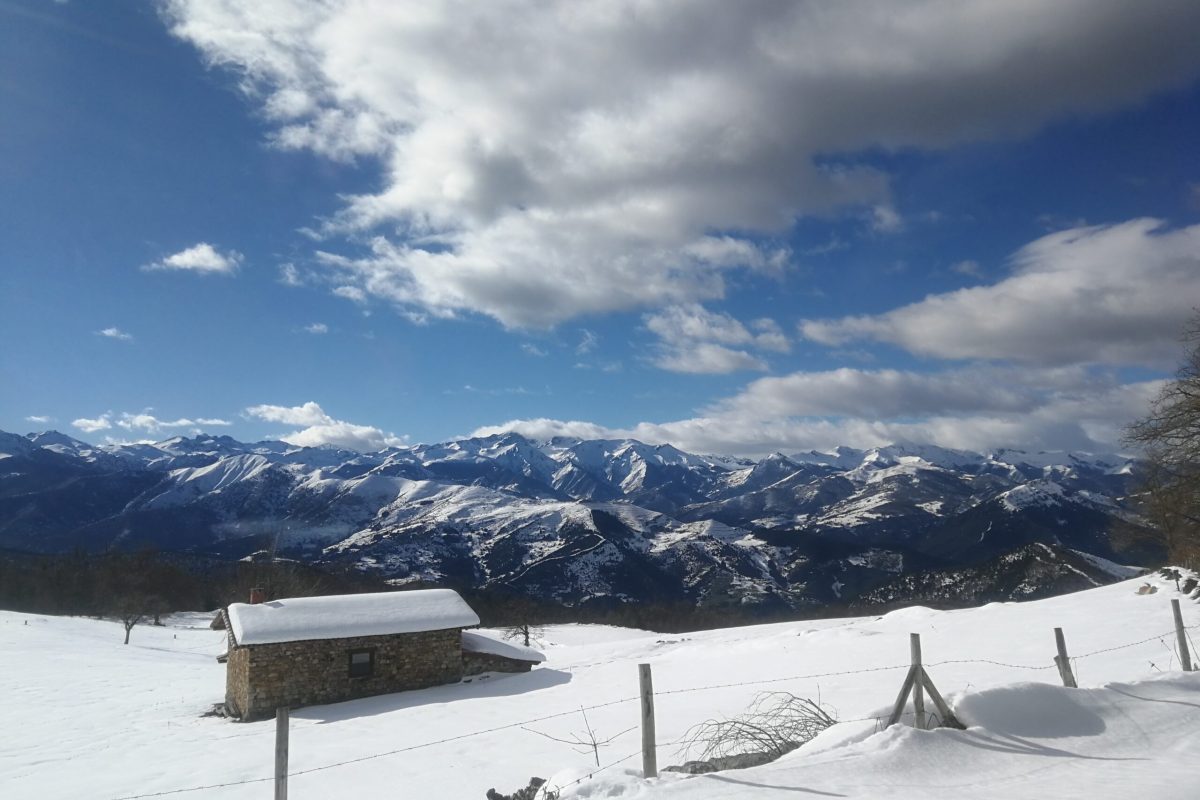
(86, 717)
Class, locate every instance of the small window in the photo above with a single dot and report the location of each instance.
(362, 663)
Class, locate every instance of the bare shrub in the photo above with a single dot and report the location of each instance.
(775, 724)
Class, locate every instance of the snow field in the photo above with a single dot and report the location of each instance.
(87, 717)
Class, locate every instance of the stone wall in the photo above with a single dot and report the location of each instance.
(475, 663)
(262, 677)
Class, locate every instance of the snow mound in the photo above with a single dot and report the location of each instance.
(1031, 709)
(476, 642)
(342, 616)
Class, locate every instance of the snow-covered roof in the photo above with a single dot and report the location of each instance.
(345, 615)
(476, 642)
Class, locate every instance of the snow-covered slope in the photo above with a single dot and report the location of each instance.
(89, 717)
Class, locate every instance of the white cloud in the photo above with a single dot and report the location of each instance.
(886, 394)
(38, 419)
(544, 161)
(695, 340)
(706, 358)
(544, 428)
(318, 428)
(308, 414)
(1045, 409)
(1116, 294)
(202, 258)
(770, 336)
(145, 421)
(531, 349)
(101, 423)
(317, 328)
(115, 333)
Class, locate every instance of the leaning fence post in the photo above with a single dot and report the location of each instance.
(1064, 663)
(914, 646)
(1185, 655)
(281, 752)
(649, 748)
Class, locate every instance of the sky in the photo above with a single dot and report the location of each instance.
(735, 227)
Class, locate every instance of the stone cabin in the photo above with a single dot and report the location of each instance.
(311, 650)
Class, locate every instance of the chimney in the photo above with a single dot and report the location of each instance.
(257, 596)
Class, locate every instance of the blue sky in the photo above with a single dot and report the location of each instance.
(738, 228)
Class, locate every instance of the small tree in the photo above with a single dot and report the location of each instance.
(584, 743)
(526, 632)
(156, 606)
(131, 610)
(1170, 440)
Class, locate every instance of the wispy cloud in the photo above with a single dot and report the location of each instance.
(145, 422)
(37, 419)
(530, 349)
(969, 268)
(587, 342)
(151, 424)
(317, 328)
(202, 258)
(352, 293)
(115, 333)
(603, 366)
(885, 219)
(290, 276)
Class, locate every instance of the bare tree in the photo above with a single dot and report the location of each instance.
(132, 609)
(526, 632)
(1170, 440)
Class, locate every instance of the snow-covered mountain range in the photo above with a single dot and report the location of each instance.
(581, 521)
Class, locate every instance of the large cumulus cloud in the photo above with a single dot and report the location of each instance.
(540, 161)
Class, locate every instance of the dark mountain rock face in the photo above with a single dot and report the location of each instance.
(1031, 572)
(593, 523)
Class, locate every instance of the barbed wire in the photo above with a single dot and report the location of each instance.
(780, 680)
(988, 661)
(193, 789)
(396, 751)
(1125, 646)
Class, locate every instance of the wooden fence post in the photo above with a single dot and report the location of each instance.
(1064, 663)
(914, 647)
(902, 698)
(649, 747)
(917, 682)
(281, 752)
(1185, 655)
(948, 718)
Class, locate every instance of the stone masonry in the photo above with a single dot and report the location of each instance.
(263, 677)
